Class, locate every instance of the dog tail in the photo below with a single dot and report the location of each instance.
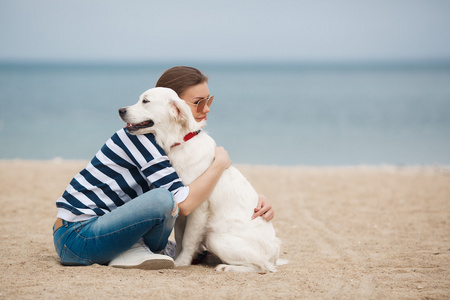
(281, 262)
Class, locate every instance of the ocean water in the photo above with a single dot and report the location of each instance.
(287, 114)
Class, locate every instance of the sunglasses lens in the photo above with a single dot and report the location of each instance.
(210, 100)
(201, 104)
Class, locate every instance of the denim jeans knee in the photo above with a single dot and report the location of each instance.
(163, 199)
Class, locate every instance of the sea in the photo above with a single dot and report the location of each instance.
(280, 114)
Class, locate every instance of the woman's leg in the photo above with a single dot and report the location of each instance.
(149, 216)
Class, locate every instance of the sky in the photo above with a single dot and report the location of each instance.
(224, 30)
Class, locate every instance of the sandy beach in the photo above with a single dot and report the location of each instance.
(358, 232)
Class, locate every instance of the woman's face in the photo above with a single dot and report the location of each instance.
(193, 95)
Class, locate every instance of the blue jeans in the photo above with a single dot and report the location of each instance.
(99, 240)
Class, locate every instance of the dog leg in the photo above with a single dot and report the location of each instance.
(194, 234)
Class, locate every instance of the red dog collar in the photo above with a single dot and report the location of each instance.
(187, 137)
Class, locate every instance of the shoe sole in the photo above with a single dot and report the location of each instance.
(153, 264)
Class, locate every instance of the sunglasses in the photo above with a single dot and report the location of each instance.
(200, 104)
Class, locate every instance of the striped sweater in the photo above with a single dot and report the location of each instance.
(124, 168)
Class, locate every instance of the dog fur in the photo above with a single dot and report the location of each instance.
(222, 222)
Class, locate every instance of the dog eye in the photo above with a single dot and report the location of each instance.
(145, 101)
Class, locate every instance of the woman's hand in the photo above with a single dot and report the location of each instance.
(263, 209)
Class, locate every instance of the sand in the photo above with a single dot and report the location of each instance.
(348, 232)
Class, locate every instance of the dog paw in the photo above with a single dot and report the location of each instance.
(182, 262)
(222, 268)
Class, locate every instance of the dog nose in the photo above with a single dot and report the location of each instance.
(122, 111)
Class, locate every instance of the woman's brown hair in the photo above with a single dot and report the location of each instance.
(180, 78)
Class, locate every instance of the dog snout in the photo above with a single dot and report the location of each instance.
(122, 111)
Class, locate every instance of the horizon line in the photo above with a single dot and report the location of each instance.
(236, 63)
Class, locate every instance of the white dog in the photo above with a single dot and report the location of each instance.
(222, 222)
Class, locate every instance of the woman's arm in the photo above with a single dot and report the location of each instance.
(202, 187)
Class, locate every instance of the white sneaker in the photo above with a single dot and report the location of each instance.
(140, 257)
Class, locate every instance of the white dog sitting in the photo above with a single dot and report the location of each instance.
(222, 222)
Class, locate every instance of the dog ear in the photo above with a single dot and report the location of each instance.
(178, 112)
(183, 115)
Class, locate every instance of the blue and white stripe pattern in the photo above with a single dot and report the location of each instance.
(124, 168)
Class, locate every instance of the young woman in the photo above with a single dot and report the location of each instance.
(121, 209)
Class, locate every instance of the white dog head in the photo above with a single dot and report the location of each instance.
(160, 111)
